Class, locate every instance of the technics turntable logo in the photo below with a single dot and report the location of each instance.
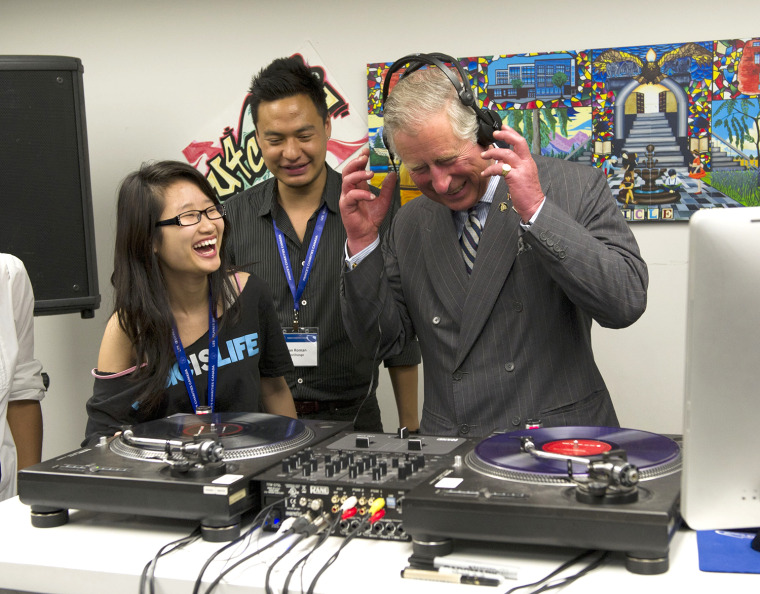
(231, 351)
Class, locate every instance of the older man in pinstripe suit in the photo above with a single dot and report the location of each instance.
(509, 342)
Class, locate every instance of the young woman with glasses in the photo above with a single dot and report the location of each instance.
(187, 334)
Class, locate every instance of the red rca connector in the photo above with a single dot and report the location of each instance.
(349, 513)
(378, 515)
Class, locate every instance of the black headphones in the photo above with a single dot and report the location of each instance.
(488, 120)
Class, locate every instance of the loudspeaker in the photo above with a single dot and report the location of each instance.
(45, 181)
(488, 120)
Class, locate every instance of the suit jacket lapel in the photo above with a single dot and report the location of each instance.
(443, 258)
(496, 255)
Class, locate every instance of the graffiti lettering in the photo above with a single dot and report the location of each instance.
(225, 184)
(336, 105)
(232, 155)
(253, 156)
(223, 167)
(237, 168)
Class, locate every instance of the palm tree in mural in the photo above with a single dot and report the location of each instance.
(538, 126)
(556, 117)
(517, 84)
(558, 80)
(738, 115)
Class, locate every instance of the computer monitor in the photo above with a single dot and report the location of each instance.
(721, 442)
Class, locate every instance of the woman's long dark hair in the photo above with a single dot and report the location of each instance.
(141, 301)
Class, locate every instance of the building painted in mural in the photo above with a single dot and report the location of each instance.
(531, 78)
(749, 68)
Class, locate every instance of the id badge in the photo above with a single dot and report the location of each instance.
(302, 345)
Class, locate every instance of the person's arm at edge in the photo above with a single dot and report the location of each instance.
(276, 397)
(24, 412)
(404, 379)
(116, 351)
(25, 421)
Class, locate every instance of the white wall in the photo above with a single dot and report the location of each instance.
(155, 71)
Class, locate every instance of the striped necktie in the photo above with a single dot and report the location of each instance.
(470, 238)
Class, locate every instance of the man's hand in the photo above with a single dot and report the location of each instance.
(522, 178)
(363, 212)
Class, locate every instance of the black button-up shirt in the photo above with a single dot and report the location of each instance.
(341, 373)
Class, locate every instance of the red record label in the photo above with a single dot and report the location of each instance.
(504, 451)
(576, 447)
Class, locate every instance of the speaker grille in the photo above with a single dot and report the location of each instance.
(44, 181)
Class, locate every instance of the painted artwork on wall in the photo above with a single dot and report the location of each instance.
(674, 127)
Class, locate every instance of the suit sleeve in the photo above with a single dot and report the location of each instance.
(589, 250)
(410, 355)
(375, 319)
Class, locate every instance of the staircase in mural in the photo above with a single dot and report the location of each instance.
(719, 159)
(653, 128)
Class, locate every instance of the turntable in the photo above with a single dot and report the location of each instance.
(589, 487)
(194, 467)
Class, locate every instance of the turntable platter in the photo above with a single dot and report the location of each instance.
(501, 456)
(243, 435)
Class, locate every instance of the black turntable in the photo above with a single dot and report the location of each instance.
(591, 487)
(194, 467)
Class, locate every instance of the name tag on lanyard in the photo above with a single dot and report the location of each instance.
(302, 342)
(303, 346)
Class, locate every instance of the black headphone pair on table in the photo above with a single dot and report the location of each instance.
(488, 120)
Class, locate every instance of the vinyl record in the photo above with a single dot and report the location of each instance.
(243, 435)
(502, 455)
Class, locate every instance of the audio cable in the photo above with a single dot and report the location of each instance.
(545, 584)
(348, 504)
(371, 386)
(258, 521)
(316, 526)
(147, 578)
(286, 531)
(375, 513)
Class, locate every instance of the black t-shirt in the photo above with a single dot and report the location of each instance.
(251, 349)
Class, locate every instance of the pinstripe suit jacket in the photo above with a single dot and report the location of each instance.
(511, 342)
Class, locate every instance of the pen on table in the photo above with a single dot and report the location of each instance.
(452, 578)
(475, 567)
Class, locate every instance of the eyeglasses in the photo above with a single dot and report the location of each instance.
(193, 217)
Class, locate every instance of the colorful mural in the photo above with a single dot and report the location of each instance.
(674, 127)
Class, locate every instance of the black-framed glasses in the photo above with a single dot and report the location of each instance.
(193, 217)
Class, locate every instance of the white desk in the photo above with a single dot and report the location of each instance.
(98, 553)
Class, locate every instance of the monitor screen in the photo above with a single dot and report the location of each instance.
(721, 447)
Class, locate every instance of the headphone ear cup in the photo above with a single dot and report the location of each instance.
(391, 156)
(488, 122)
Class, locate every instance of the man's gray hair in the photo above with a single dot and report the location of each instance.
(418, 97)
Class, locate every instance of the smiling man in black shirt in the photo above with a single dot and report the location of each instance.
(288, 230)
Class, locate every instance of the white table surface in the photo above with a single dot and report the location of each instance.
(105, 553)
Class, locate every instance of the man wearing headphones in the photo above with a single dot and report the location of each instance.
(498, 269)
(288, 231)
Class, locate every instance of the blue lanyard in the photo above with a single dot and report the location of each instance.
(308, 264)
(213, 356)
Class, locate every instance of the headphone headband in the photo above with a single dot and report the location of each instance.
(488, 120)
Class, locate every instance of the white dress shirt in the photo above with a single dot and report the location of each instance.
(20, 372)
